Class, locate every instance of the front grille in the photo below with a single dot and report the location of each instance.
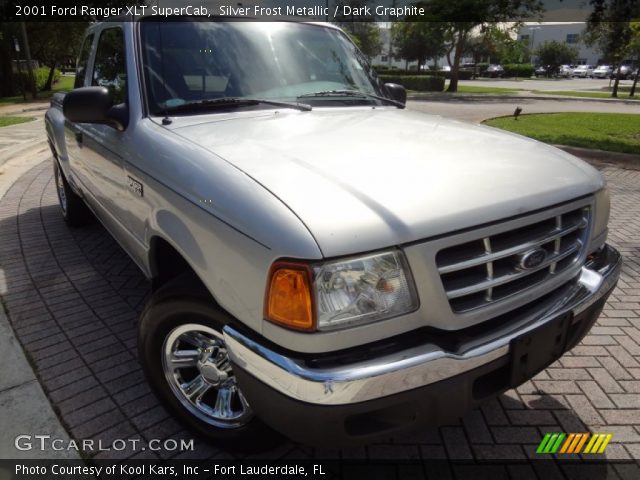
(489, 269)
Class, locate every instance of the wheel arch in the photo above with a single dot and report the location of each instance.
(166, 263)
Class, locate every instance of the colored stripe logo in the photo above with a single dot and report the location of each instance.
(574, 443)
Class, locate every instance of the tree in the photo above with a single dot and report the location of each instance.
(361, 28)
(49, 42)
(478, 48)
(418, 41)
(634, 47)
(553, 54)
(8, 85)
(55, 43)
(461, 17)
(505, 46)
(610, 28)
(495, 43)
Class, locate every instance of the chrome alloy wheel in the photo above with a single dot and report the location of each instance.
(197, 367)
(62, 196)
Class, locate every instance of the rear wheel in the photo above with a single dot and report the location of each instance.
(183, 353)
(74, 211)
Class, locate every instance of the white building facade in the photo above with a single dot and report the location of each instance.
(571, 33)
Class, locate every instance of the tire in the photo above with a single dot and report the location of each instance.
(201, 391)
(74, 211)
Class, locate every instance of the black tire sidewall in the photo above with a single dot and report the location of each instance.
(77, 213)
(57, 173)
(157, 321)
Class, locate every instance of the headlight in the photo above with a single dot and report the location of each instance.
(340, 293)
(363, 289)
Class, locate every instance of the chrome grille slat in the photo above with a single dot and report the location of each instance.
(556, 243)
(487, 248)
(494, 282)
(559, 233)
(505, 262)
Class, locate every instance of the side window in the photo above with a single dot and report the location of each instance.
(109, 67)
(83, 59)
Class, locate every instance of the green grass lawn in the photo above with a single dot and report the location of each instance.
(615, 132)
(64, 84)
(621, 95)
(6, 121)
(481, 89)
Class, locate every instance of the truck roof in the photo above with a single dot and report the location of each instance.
(130, 18)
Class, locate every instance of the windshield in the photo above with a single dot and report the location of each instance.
(192, 61)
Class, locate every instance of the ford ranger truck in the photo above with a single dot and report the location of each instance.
(324, 263)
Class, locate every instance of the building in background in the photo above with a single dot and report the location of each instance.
(568, 32)
(533, 33)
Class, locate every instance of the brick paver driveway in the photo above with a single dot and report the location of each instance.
(73, 298)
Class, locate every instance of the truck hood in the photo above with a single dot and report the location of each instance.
(362, 179)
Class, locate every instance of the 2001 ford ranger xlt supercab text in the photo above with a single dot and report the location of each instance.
(324, 263)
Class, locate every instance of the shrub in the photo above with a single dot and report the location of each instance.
(397, 72)
(523, 70)
(40, 76)
(420, 83)
(462, 74)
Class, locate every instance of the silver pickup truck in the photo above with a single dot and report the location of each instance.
(324, 263)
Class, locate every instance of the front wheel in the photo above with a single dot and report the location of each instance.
(183, 353)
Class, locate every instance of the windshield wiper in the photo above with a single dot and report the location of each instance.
(352, 93)
(226, 102)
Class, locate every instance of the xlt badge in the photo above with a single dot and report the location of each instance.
(135, 186)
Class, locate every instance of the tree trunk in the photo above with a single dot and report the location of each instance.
(49, 82)
(614, 92)
(455, 68)
(635, 82)
(27, 54)
(7, 81)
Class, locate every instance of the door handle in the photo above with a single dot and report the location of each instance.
(79, 137)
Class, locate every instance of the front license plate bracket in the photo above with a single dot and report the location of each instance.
(533, 351)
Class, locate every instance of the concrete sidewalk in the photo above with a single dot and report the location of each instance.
(24, 405)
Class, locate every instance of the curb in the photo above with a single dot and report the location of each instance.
(627, 161)
(455, 97)
(25, 407)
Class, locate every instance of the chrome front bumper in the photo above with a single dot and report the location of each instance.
(414, 367)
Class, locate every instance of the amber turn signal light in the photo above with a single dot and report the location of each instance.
(289, 301)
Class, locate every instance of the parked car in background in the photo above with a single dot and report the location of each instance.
(602, 71)
(565, 71)
(445, 68)
(626, 72)
(493, 71)
(540, 71)
(582, 71)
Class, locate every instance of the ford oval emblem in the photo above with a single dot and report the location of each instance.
(532, 258)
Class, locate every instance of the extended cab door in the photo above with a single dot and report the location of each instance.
(77, 174)
(101, 147)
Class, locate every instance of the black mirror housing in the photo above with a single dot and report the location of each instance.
(94, 105)
(396, 92)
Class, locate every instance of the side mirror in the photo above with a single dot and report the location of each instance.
(94, 105)
(397, 92)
